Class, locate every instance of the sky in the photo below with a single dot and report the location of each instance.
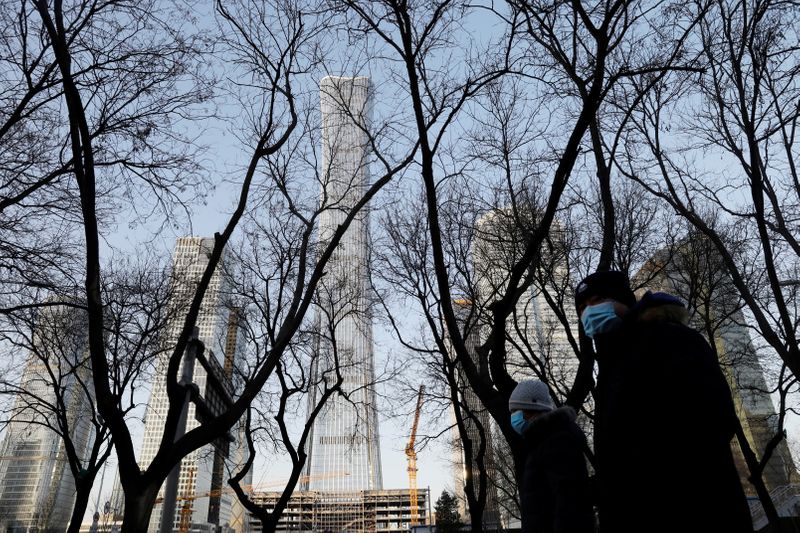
(227, 158)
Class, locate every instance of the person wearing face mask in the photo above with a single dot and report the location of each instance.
(664, 416)
(554, 489)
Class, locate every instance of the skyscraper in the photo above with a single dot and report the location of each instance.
(201, 471)
(344, 453)
(479, 426)
(535, 337)
(693, 271)
(537, 345)
(37, 489)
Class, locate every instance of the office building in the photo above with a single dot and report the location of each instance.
(479, 428)
(694, 272)
(202, 503)
(37, 489)
(343, 449)
(537, 344)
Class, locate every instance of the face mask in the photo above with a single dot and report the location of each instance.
(518, 421)
(600, 318)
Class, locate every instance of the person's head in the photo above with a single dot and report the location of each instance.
(530, 399)
(601, 299)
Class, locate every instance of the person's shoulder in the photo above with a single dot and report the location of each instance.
(553, 422)
(564, 426)
(662, 335)
(565, 442)
(661, 315)
(668, 333)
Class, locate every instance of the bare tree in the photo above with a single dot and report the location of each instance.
(745, 118)
(55, 392)
(581, 54)
(726, 161)
(270, 66)
(51, 423)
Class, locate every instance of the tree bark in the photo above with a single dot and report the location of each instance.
(138, 509)
(83, 489)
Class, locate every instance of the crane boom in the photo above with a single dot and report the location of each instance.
(411, 453)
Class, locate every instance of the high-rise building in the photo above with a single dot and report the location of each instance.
(200, 500)
(37, 489)
(536, 341)
(478, 426)
(343, 451)
(537, 344)
(693, 271)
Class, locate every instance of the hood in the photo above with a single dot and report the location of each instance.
(659, 307)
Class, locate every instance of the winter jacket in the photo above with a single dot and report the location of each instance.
(554, 494)
(664, 421)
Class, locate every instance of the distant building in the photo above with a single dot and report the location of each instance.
(477, 418)
(116, 503)
(378, 511)
(537, 343)
(344, 438)
(694, 272)
(37, 489)
(104, 525)
(203, 501)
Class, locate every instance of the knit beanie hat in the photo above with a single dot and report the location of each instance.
(531, 395)
(611, 284)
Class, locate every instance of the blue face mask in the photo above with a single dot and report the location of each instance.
(600, 318)
(518, 421)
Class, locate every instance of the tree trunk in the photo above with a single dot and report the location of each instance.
(269, 519)
(757, 480)
(475, 516)
(268, 523)
(138, 509)
(83, 489)
(474, 510)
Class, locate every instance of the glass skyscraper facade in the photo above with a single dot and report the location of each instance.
(200, 475)
(37, 489)
(537, 345)
(344, 453)
(536, 338)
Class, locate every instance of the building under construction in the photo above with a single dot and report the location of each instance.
(378, 511)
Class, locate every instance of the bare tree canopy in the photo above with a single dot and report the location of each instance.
(507, 150)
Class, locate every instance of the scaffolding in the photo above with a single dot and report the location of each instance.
(377, 511)
(343, 512)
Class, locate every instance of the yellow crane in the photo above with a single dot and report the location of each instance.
(412, 460)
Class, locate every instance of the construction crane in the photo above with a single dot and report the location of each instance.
(411, 453)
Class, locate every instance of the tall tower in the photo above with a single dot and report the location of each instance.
(476, 419)
(694, 272)
(344, 453)
(536, 342)
(537, 345)
(199, 479)
(37, 489)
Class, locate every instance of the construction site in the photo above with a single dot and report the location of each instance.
(383, 511)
